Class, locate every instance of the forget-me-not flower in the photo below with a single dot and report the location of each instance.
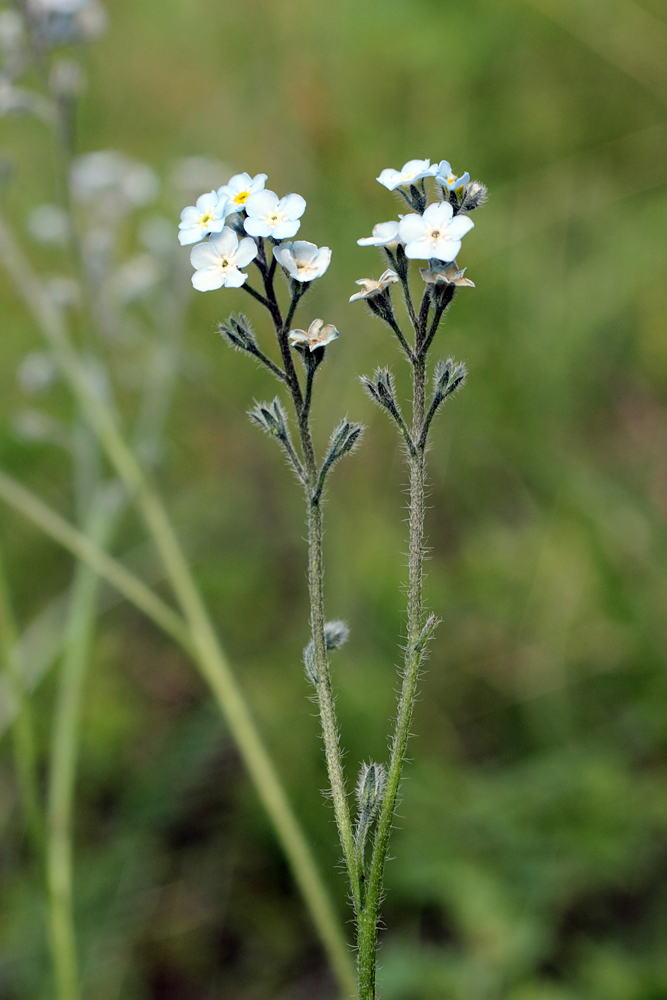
(269, 215)
(217, 261)
(384, 234)
(446, 176)
(303, 261)
(372, 288)
(317, 335)
(207, 216)
(411, 172)
(239, 188)
(437, 233)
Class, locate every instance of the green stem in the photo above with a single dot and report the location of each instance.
(80, 625)
(209, 655)
(325, 701)
(368, 919)
(23, 737)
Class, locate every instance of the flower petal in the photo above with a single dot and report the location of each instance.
(284, 230)
(246, 252)
(412, 227)
(292, 205)
(459, 226)
(225, 242)
(204, 255)
(187, 236)
(444, 249)
(261, 203)
(390, 178)
(207, 202)
(438, 215)
(189, 216)
(233, 278)
(421, 249)
(257, 226)
(208, 279)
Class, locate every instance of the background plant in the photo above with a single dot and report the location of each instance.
(539, 752)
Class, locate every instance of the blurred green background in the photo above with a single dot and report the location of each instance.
(531, 848)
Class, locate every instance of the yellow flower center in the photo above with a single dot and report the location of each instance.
(242, 197)
(206, 218)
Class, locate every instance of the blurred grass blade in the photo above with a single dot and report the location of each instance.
(233, 707)
(22, 726)
(65, 744)
(621, 32)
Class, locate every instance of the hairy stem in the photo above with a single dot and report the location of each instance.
(368, 920)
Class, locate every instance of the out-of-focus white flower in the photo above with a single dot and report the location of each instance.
(56, 6)
(411, 172)
(135, 278)
(156, 234)
(384, 234)
(446, 176)
(436, 274)
(61, 22)
(217, 262)
(11, 30)
(67, 78)
(303, 261)
(317, 335)
(437, 233)
(36, 373)
(92, 20)
(371, 288)
(37, 426)
(207, 216)
(107, 178)
(197, 173)
(49, 224)
(63, 292)
(239, 188)
(269, 215)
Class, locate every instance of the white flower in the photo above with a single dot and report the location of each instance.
(270, 216)
(49, 224)
(437, 233)
(371, 288)
(412, 171)
(303, 261)
(383, 234)
(207, 216)
(317, 335)
(109, 177)
(436, 274)
(446, 176)
(239, 188)
(218, 261)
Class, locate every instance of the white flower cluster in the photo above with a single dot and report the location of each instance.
(260, 214)
(434, 232)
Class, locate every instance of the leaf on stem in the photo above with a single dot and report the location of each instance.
(449, 376)
(371, 788)
(343, 440)
(238, 333)
(272, 418)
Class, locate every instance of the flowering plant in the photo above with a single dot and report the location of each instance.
(430, 232)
